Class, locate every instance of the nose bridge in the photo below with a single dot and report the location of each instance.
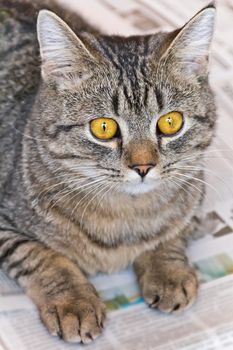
(141, 152)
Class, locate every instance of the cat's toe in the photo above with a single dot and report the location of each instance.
(75, 322)
(91, 321)
(170, 291)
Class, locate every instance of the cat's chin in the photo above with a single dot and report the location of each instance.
(140, 188)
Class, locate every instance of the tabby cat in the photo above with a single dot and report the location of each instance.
(100, 160)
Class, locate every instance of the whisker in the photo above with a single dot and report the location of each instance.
(199, 180)
(104, 186)
(29, 136)
(172, 179)
(78, 189)
(187, 183)
(208, 171)
(112, 187)
(78, 203)
(66, 183)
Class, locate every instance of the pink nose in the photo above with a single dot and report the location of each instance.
(142, 169)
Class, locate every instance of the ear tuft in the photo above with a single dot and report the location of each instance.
(64, 56)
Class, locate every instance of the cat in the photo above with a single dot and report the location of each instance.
(102, 145)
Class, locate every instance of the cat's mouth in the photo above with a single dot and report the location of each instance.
(135, 183)
(141, 186)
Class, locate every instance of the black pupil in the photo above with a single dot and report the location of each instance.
(104, 126)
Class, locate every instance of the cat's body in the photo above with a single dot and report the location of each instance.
(65, 205)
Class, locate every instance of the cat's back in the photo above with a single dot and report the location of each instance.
(19, 77)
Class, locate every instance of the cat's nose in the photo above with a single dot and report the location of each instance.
(142, 169)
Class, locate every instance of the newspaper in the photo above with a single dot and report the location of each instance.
(131, 325)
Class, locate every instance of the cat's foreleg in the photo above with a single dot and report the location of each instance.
(68, 304)
(166, 279)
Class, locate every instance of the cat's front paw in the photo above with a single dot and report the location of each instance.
(74, 316)
(170, 288)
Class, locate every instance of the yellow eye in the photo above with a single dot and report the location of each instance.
(170, 123)
(104, 128)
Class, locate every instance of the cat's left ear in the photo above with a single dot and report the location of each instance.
(66, 61)
(188, 54)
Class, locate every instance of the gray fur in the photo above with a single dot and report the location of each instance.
(72, 205)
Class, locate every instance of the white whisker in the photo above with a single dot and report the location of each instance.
(104, 186)
(199, 180)
(75, 190)
(80, 201)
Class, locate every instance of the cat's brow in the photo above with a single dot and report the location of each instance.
(62, 129)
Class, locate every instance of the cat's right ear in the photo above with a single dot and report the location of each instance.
(65, 59)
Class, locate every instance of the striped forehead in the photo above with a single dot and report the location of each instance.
(129, 58)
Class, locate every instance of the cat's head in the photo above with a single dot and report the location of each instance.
(125, 113)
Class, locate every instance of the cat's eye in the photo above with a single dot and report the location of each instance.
(170, 123)
(104, 128)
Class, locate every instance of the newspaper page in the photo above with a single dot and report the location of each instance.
(131, 325)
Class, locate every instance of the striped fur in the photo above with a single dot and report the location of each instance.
(71, 205)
